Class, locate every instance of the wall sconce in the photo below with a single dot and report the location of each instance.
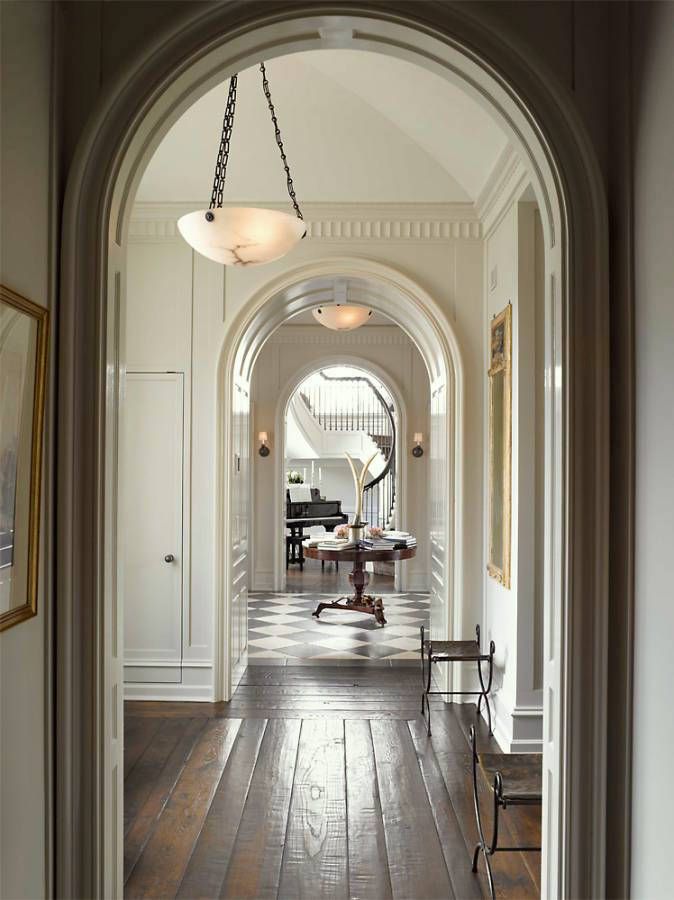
(418, 450)
(263, 437)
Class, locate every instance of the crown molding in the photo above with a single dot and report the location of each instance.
(508, 177)
(317, 334)
(335, 222)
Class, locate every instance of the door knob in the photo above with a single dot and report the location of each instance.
(169, 558)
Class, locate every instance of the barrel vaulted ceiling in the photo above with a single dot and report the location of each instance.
(357, 126)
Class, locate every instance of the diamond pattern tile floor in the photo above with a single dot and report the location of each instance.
(281, 628)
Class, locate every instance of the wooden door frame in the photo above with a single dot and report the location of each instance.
(148, 94)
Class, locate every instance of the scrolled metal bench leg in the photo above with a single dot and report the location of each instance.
(482, 845)
(423, 671)
(486, 690)
(428, 689)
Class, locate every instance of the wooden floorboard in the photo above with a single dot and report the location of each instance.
(416, 861)
(314, 782)
(369, 877)
(206, 870)
(315, 852)
(255, 863)
(160, 868)
(139, 829)
(458, 862)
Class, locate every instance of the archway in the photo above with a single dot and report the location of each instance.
(368, 367)
(545, 131)
(382, 289)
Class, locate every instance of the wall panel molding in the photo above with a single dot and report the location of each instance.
(390, 335)
(404, 222)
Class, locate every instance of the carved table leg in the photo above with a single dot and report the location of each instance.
(359, 578)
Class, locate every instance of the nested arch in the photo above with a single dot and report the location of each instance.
(390, 292)
(349, 358)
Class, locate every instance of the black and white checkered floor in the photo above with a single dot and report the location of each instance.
(281, 628)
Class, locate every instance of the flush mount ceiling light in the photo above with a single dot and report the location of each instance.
(342, 317)
(243, 235)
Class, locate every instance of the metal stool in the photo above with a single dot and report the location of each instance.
(517, 780)
(455, 651)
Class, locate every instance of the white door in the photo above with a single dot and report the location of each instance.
(152, 527)
(239, 533)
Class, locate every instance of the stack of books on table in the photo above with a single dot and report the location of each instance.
(390, 540)
(334, 544)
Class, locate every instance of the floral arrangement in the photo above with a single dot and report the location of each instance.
(341, 531)
(294, 477)
(375, 532)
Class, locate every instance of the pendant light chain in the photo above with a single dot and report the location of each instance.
(279, 141)
(223, 151)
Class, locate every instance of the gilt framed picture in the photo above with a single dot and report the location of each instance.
(24, 334)
(500, 446)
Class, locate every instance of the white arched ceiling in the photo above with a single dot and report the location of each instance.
(342, 112)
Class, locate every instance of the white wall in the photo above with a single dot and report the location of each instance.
(653, 727)
(26, 241)
(287, 354)
(513, 617)
(175, 322)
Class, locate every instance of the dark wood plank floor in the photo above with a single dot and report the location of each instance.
(312, 783)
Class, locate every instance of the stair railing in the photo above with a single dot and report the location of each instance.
(367, 411)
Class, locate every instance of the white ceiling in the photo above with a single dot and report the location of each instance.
(357, 127)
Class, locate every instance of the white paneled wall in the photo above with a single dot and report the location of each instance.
(180, 308)
(514, 616)
(175, 324)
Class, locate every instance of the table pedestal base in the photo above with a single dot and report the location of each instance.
(359, 602)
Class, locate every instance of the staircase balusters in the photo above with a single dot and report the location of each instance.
(360, 408)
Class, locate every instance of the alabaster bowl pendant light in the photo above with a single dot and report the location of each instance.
(342, 316)
(243, 235)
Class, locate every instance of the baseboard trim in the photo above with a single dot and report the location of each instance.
(418, 582)
(519, 730)
(183, 692)
(263, 581)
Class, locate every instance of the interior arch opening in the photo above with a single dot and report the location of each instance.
(241, 300)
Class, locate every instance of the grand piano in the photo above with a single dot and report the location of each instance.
(305, 513)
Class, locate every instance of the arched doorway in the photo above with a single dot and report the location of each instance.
(384, 290)
(568, 189)
(367, 368)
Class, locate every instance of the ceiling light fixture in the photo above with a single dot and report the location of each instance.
(342, 317)
(243, 235)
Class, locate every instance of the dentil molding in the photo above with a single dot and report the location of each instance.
(407, 222)
(317, 334)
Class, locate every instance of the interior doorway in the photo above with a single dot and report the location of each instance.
(430, 339)
(328, 405)
(561, 815)
(337, 410)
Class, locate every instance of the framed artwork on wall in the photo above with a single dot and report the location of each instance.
(24, 333)
(500, 446)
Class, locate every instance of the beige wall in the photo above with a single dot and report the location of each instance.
(654, 525)
(26, 267)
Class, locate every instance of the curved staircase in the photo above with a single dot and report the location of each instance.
(354, 403)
